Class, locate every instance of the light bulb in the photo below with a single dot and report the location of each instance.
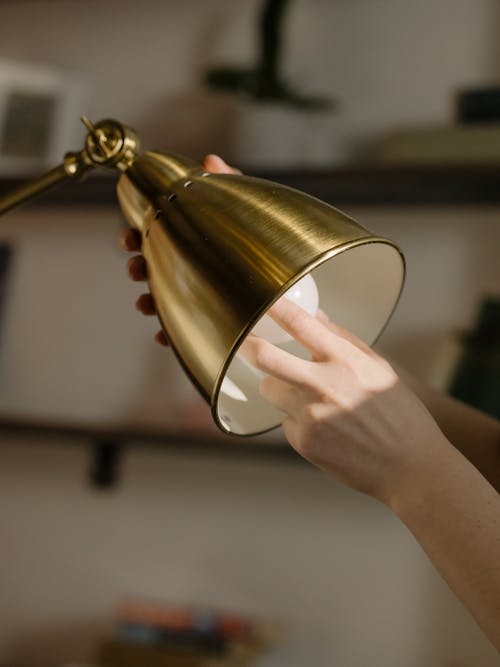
(231, 389)
(305, 294)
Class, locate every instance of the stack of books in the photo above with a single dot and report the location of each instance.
(150, 634)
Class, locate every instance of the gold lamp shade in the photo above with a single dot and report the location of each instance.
(222, 248)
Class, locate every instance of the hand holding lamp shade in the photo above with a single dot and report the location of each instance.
(220, 249)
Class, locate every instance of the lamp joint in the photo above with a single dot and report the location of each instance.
(110, 144)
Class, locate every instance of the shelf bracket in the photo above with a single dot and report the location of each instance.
(106, 460)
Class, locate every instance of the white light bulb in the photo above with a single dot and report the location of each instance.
(304, 293)
(231, 389)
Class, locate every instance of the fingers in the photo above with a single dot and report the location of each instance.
(274, 361)
(216, 165)
(304, 328)
(344, 333)
(130, 240)
(161, 338)
(136, 268)
(291, 429)
(322, 317)
(146, 305)
(282, 395)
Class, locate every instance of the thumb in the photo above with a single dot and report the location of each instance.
(216, 165)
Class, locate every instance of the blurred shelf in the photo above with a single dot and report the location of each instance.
(107, 443)
(352, 185)
(181, 440)
(390, 185)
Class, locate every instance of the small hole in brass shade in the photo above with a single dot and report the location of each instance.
(188, 183)
(172, 197)
(206, 173)
(147, 233)
(157, 214)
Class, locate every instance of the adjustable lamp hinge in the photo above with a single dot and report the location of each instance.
(108, 144)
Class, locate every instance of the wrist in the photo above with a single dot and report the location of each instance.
(419, 483)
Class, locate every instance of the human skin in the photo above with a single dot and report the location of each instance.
(424, 455)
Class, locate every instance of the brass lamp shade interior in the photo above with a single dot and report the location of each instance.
(222, 248)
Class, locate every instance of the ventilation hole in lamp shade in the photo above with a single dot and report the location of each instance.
(172, 197)
(187, 184)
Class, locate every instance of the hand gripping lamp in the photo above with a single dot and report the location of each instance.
(221, 249)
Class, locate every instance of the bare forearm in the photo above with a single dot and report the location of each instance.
(454, 514)
(473, 433)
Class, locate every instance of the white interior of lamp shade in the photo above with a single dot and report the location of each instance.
(358, 289)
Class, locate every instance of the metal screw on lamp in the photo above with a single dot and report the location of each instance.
(221, 249)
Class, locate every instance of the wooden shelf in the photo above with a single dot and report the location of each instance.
(123, 435)
(107, 443)
(352, 185)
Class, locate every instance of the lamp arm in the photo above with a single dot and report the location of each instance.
(67, 171)
(108, 144)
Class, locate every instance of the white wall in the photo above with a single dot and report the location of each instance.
(274, 540)
(265, 538)
(389, 62)
(73, 346)
(260, 537)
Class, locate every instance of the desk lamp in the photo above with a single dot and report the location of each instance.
(220, 249)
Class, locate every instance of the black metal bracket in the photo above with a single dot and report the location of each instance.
(107, 456)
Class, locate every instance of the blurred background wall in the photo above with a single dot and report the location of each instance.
(269, 538)
(387, 63)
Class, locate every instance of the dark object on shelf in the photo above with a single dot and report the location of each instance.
(477, 378)
(264, 81)
(479, 106)
(5, 266)
(106, 463)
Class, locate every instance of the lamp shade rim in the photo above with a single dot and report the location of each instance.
(318, 261)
